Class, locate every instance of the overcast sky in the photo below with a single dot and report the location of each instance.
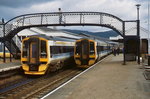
(124, 9)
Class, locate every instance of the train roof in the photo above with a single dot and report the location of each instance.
(53, 32)
(59, 35)
(53, 38)
(97, 39)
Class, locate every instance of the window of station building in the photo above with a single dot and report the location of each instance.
(92, 51)
(43, 49)
(25, 49)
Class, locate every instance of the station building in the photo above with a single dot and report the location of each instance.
(132, 42)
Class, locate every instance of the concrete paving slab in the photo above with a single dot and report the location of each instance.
(9, 65)
(107, 80)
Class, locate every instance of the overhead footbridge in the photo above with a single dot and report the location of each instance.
(15, 25)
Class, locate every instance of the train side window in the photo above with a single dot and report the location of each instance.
(92, 51)
(43, 49)
(78, 48)
(25, 49)
(54, 50)
(102, 48)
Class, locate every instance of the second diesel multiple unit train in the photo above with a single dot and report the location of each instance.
(42, 54)
(87, 51)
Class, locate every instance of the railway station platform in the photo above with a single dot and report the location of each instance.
(108, 79)
(9, 65)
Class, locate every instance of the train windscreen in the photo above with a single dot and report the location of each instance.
(34, 50)
(85, 47)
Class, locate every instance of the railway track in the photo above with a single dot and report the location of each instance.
(11, 72)
(37, 87)
(10, 77)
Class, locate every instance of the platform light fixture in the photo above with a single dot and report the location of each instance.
(138, 7)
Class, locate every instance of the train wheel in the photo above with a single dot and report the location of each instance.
(61, 64)
(58, 65)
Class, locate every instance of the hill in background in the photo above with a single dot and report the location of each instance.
(105, 34)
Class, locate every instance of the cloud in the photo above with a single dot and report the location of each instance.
(40, 8)
(22, 7)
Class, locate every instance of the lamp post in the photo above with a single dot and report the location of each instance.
(138, 32)
(138, 7)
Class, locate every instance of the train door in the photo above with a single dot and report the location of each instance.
(92, 55)
(33, 52)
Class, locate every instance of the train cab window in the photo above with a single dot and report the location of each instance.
(34, 50)
(92, 51)
(43, 49)
(25, 49)
(78, 48)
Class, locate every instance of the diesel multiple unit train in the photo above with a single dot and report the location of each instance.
(87, 51)
(41, 54)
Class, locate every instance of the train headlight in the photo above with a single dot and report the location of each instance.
(42, 67)
(91, 62)
(78, 62)
(25, 67)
